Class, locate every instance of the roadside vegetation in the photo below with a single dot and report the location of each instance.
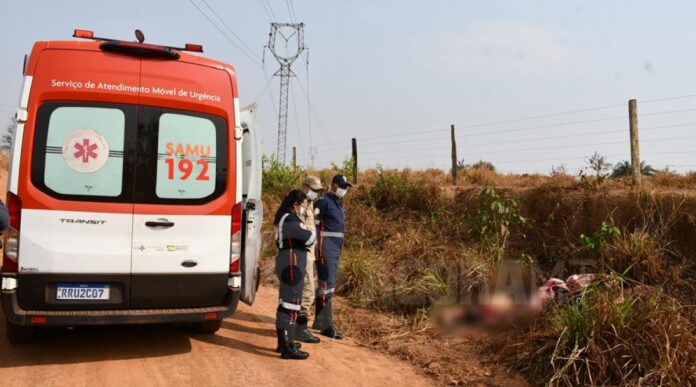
(415, 242)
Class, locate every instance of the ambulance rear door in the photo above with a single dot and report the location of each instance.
(75, 182)
(253, 206)
(186, 187)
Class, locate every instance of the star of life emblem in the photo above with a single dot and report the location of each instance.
(85, 151)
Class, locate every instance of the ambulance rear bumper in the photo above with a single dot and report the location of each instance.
(18, 316)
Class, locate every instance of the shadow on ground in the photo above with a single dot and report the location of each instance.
(121, 342)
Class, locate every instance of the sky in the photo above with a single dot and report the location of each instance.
(528, 85)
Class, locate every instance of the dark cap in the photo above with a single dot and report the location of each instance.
(341, 181)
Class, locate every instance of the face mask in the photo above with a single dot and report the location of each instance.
(311, 195)
(303, 211)
(341, 192)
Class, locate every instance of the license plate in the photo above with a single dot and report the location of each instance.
(82, 292)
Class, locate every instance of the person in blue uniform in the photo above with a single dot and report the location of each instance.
(293, 240)
(330, 220)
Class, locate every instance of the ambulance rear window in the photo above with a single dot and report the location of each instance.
(101, 152)
(182, 157)
(186, 149)
(84, 151)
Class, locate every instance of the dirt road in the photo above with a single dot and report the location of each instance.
(240, 353)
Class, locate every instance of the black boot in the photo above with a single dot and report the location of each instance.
(323, 322)
(318, 315)
(332, 333)
(279, 348)
(303, 334)
(288, 351)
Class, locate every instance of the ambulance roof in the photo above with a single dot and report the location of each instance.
(94, 45)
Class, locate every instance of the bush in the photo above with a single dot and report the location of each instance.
(624, 169)
(611, 335)
(279, 179)
(495, 219)
(396, 191)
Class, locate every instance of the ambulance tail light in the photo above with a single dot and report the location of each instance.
(84, 34)
(10, 255)
(193, 47)
(236, 240)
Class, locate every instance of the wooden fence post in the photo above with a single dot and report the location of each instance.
(354, 143)
(454, 157)
(635, 143)
(294, 157)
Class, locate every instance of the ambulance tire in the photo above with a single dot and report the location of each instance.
(207, 327)
(17, 334)
(258, 278)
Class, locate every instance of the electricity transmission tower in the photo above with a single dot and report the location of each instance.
(286, 32)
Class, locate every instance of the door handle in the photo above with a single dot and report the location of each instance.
(159, 223)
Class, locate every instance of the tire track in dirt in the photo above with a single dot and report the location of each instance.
(241, 352)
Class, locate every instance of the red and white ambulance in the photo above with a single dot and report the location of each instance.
(134, 189)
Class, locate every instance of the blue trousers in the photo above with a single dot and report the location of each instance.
(290, 267)
(328, 256)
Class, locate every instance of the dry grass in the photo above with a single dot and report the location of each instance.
(410, 246)
(671, 180)
(640, 255)
(612, 335)
(483, 176)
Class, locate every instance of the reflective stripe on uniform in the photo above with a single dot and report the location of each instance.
(289, 306)
(280, 230)
(333, 234)
(311, 239)
(324, 292)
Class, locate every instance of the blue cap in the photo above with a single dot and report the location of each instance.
(341, 181)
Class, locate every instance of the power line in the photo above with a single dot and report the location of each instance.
(668, 112)
(263, 90)
(582, 145)
(270, 18)
(224, 34)
(606, 107)
(551, 147)
(312, 149)
(250, 50)
(498, 131)
(535, 126)
(550, 115)
(330, 142)
(532, 139)
(291, 10)
(570, 123)
(269, 10)
(578, 135)
(582, 134)
(501, 131)
(297, 121)
(545, 159)
(517, 119)
(667, 98)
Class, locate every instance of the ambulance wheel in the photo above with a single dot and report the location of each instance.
(208, 327)
(18, 333)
